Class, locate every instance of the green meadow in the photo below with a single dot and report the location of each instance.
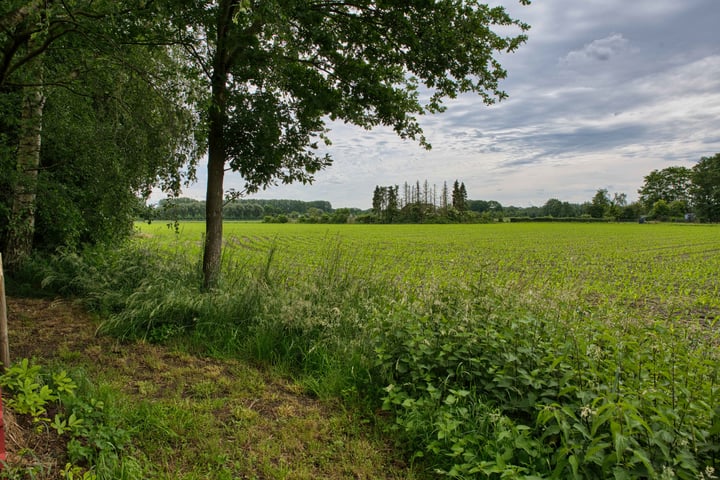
(481, 351)
(652, 272)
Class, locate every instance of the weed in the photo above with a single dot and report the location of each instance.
(93, 440)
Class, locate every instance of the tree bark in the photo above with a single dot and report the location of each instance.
(22, 221)
(214, 198)
(217, 118)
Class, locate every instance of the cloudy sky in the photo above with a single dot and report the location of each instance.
(603, 92)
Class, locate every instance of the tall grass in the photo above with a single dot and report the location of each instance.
(477, 382)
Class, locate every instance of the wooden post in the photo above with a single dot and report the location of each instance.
(4, 342)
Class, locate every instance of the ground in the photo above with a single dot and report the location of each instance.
(204, 415)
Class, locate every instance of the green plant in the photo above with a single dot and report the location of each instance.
(29, 392)
(94, 438)
(73, 472)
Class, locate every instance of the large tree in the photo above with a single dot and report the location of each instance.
(670, 184)
(705, 188)
(277, 70)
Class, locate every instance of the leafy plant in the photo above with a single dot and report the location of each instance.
(29, 394)
(94, 438)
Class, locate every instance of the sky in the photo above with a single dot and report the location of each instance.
(603, 92)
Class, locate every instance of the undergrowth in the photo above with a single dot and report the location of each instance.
(476, 385)
(68, 406)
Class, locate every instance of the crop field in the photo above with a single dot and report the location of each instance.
(496, 351)
(626, 270)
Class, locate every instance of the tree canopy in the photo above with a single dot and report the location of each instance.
(109, 107)
(705, 188)
(278, 70)
(669, 184)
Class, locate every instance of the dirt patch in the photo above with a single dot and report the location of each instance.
(43, 328)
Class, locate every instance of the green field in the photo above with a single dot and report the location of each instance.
(492, 351)
(645, 271)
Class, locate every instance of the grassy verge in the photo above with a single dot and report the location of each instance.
(168, 414)
(477, 379)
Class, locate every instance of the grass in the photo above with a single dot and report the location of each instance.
(192, 417)
(646, 271)
(484, 351)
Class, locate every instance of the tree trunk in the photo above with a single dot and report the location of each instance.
(217, 118)
(22, 221)
(214, 199)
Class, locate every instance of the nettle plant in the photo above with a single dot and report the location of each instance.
(31, 395)
(485, 391)
(50, 402)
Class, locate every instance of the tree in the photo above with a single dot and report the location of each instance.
(617, 203)
(599, 204)
(669, 184)
(378, 201)
(22, 212)
(632, 211)
(276, 70)
(462, 204)
(391, 209)
(660, 210)
(406, 194)
(459, 198)
(553, 208)
(444, 198)
(705, 188)
(678, 208)
(50, 50)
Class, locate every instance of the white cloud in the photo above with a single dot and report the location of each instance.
(602, 50)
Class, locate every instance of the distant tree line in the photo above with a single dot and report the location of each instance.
(425, 203)
(671, 194)
(241, 209)
(417, 203)
(675, 192)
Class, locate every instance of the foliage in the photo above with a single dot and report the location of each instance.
(660, 210)
(115, 122)
(94, 441)
(237, 209)
(669, 184)
(487, 393)
(9, 119)
(420, 205)
(485, 367)
(558, 209)
(459, 197)
(293, 63)
(600, 204)
(705, 189)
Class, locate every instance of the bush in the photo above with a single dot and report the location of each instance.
(483, 390)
